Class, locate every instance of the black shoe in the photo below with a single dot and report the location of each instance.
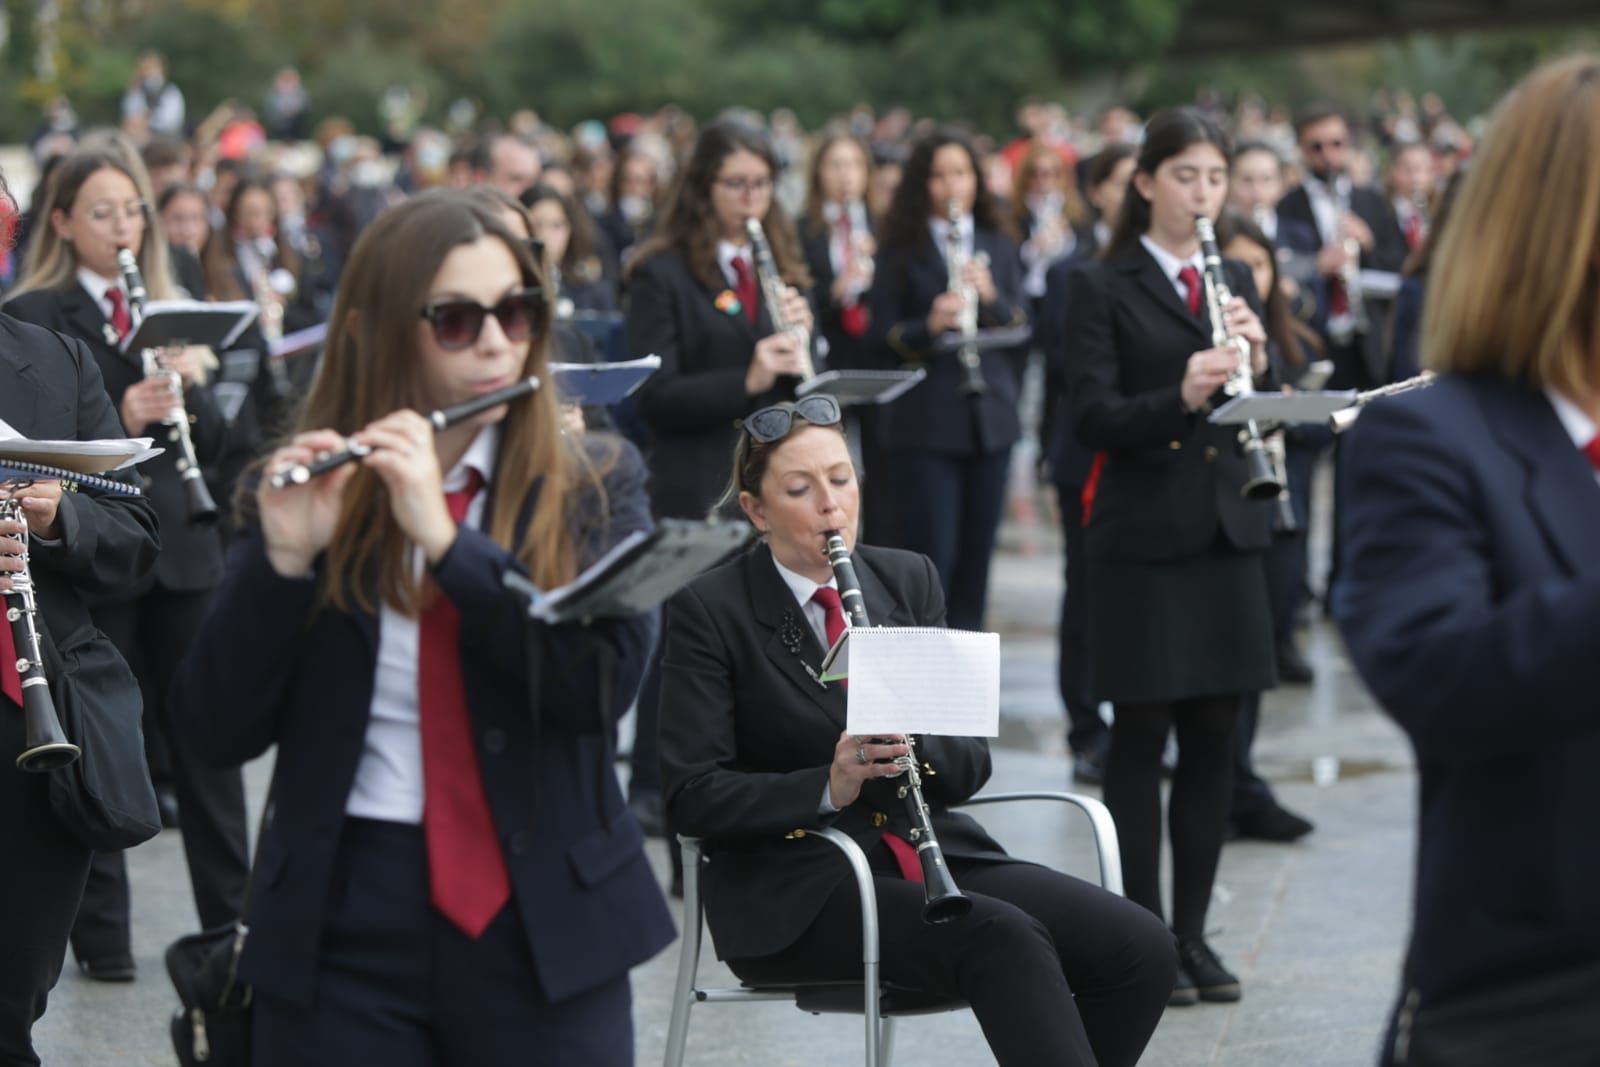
(1183, 994)
(1273, 823)
(1211, 980)
(1089, 765)
(1292, 666)
(650, 811)
(167, 805)
(110, 969)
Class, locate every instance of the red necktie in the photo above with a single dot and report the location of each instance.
(466, 867)
(1592, 451)
(853, 316)
(1413, 231)
(10, 680)
(1191, 288)
(905, 857)
(745, 287)
(119, 313)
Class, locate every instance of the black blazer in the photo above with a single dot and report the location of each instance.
(1171, 479)
(936, 416)
(1070, 459)
(191, 556)
(1469, 599)
(693, 403)
(50, 389)
(747, 737)
(844, 351)
(273, 667)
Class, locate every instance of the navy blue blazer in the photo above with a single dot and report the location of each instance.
(1469, 599)
(936, 416)
(272, 667)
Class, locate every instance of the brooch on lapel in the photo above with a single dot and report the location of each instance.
(109, 332)
(790, 634)
(728, 303)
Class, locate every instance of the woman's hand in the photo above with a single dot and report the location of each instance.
(13, 546)
(404, 457)
(572, 422)
(187, 362)
(945, 314)
(1205, 374)
(148, 402)
(774, 356)
(1242, 322)
(796, 309)
(855, 762)
(977, 275)
(297, 521)
(41, 503)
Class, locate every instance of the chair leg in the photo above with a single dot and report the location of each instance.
(886, 1044)
(683, 994)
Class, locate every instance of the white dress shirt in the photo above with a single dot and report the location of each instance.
(727, 252)
(832, 212)
(816, 617)
(100, 288)
(1170, 265)
(388, 782)
(1328, 204)
(1579, 426)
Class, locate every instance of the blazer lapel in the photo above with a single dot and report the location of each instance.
(20, 406)
(81, 310)
(791, 645)
(1562, 494)
(1150, 275)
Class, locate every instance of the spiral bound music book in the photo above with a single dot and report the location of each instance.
(918, 680)
(76, 464)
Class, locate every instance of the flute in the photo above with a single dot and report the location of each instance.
(443, 419)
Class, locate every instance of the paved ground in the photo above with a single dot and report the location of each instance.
(1314, 929)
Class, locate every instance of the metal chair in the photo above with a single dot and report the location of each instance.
(879, 1003)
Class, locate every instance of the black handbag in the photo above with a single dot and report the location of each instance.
(212, 1024)
(104, 798)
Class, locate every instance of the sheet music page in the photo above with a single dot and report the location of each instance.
(923, 681)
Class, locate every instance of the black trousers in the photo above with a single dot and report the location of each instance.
(399, 985)
(1201, 788)
(1056, 970)
(1251, 793)
(45, 869)
(949, 510)
(154, 633)
(1084, 725)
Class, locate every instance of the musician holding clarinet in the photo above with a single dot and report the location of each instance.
(447, 871)
(1179, 620)
(95, 207)
(76, 546)
(754, 754)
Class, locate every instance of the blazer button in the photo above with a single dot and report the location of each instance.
(1211, 453)
(494, 741)
(520, 842)
(878, 819)
(1175, 445)
(795, 835)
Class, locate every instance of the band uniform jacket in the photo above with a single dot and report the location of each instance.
(275, 667)
(1171, 479)
(747, 738)
(50, 389)
(935, 416)
(844, 351)
(191, 554)
(693, 404)
(1469, 600)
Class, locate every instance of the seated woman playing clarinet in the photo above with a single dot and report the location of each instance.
(447, 873)
(752, 747)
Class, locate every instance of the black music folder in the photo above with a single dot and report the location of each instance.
(851, 387)
(643, 570)
(191, 322)
(599, 384)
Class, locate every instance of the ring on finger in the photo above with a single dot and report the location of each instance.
(861, 755)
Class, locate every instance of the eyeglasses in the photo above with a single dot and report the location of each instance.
(774, 423)
(103, 213)
(745, 185)
(1317, 146)
(457, 323)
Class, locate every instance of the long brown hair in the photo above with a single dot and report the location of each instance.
(220, 256)
(51, 262)
(689, 224)
(836, 135)
(1167, 134)
(905, 224)
(1516, 291)
(1073, 211)
(372, 367)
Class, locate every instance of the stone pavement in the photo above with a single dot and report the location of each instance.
(1314, 929)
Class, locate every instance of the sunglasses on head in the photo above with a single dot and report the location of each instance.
(457, 323)
(774, 423)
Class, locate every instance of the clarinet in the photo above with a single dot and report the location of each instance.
(46, 746)
(772, 293)
(942, 901)
(1344, 418)
(202, 508)
(1262, 482)
(955, 257)
(443, 419)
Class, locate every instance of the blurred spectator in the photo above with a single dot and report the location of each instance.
(635, 197)
(288, 107)
(510, 163)
(1410, 181)
(152, 104)
(169, 162)
(57, 131)
(185, 216)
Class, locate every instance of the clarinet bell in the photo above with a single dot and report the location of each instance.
(46, 747)
(942, 902)
(202, 508)
(1263, 483)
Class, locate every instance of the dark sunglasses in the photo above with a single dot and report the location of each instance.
(457, 323)
(1317, 146)
(774, 423)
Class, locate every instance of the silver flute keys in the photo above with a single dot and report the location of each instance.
(772, 294)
